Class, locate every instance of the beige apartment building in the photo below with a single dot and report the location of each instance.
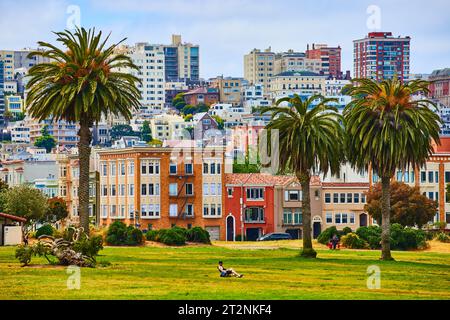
(343, 205)
(300, 82)
(168, 126)
(259, 67)
(230, 89)
(296, 61)
(65, 134)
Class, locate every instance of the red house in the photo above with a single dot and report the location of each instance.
(249, 204)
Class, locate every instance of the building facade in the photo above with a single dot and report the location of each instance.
(296, 61)
(259, 67)
(381, 56)
(330, 58)
(156, 188)
(230, 89)
(440, 86)
(182, 61)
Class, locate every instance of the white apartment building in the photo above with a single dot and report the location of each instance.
(232, 115)
(253, 92)
(168, 126)
(296, 61)
(333, 87)
(20, 132)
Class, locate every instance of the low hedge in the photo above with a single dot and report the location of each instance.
(119, 234)
(353, 241)
(178, 235)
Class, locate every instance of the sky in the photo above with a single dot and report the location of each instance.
(228, 29)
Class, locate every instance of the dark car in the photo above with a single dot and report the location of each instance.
(275, 236)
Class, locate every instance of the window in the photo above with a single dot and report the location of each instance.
(173, 168)
(255, 193)
(327, 198)
(188, 168)
(423, 176)
(131, 211)
(173, 210)
(212, 210)
(205, 168)
(131, 189)
(189, 189)
(173, 189)
(144, 189)
(287, 216)
(447, 217)
(363, 198)
(105, 190)
(298, 217)
(337, 218)
(212, 168)
(254, 214)
(329, 217)
(342, 198)
(430, 176)
(344, 218)
(144, 168)
(104, 170)
(230, 192)
(104, 211)
(352, 218)
(436, 176)
(113, 169)
(189, 210)
(349, 197)
(113, 190)
(356, 197)
(206, 210)
(218, 168)
(143, 210)
(292, 195)
(335, 197)
(213, 189)
(131, 168)
(219, 189)
(122, 168)
(122, 190)
(447, 176)
(219, 209)
(113, 212)
(206, 189)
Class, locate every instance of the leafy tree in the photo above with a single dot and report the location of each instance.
(310, 139)
(3, 188)
(178, 101)
(27, 202)
(388, 130)
(56, 210)
(408, 206)
(81, 84)
(121, 130)
(220, 122)
(146, 132)
(45, 140)
(188, 117)
(247, 167)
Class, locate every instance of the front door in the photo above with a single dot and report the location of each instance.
(317, 229)
(230, 228)
(363, 220)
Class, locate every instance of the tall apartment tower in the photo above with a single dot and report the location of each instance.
(259, 67)
(182, 61)
(329, 56)
(2, 92)
(381, 56)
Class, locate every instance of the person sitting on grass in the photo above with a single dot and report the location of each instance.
(227, 272)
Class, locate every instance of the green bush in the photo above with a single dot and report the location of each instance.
(24, 254)
(352, 241)
(180, 230)
(119, 234)
(442, 237)
(198, 234)
(171, 237)
(405, 238)
(46, 230)
(325, 236)
(89, 247)
(370, 234)
(346, 230)
(151, 235)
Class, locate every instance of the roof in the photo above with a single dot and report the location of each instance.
(202, 90)
(441, 73)
(444, 147)
(345, 184)
(298, 74)
(11, 217)
(256, 179)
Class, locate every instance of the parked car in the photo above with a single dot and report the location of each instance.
(275, 236)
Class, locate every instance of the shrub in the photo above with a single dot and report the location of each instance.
(371, 234)
(89, 247)
(240, 238)
(442, 237)
(407, 238)
(171, 237)
(151, 235)
(46, 230)
(346, 230)
(24, 254)
(119, 234)
(352, 241)
(325, 236)
(198, 234)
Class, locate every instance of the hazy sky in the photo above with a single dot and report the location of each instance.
(227, 29)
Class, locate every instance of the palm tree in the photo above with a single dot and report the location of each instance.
(310, 140)
(388, 129)
(81, 84)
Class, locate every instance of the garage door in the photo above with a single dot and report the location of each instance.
(12, 235)
(214, 232)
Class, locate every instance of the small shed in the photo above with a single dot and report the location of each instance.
(11, 229)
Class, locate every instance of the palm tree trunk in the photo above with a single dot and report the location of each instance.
(386, 218)
(84, 153)
(307, 251)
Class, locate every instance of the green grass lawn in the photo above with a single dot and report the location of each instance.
(190, 273)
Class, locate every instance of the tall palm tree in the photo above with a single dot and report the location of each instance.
(310, 140)
(388, 129)
(81, 84)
